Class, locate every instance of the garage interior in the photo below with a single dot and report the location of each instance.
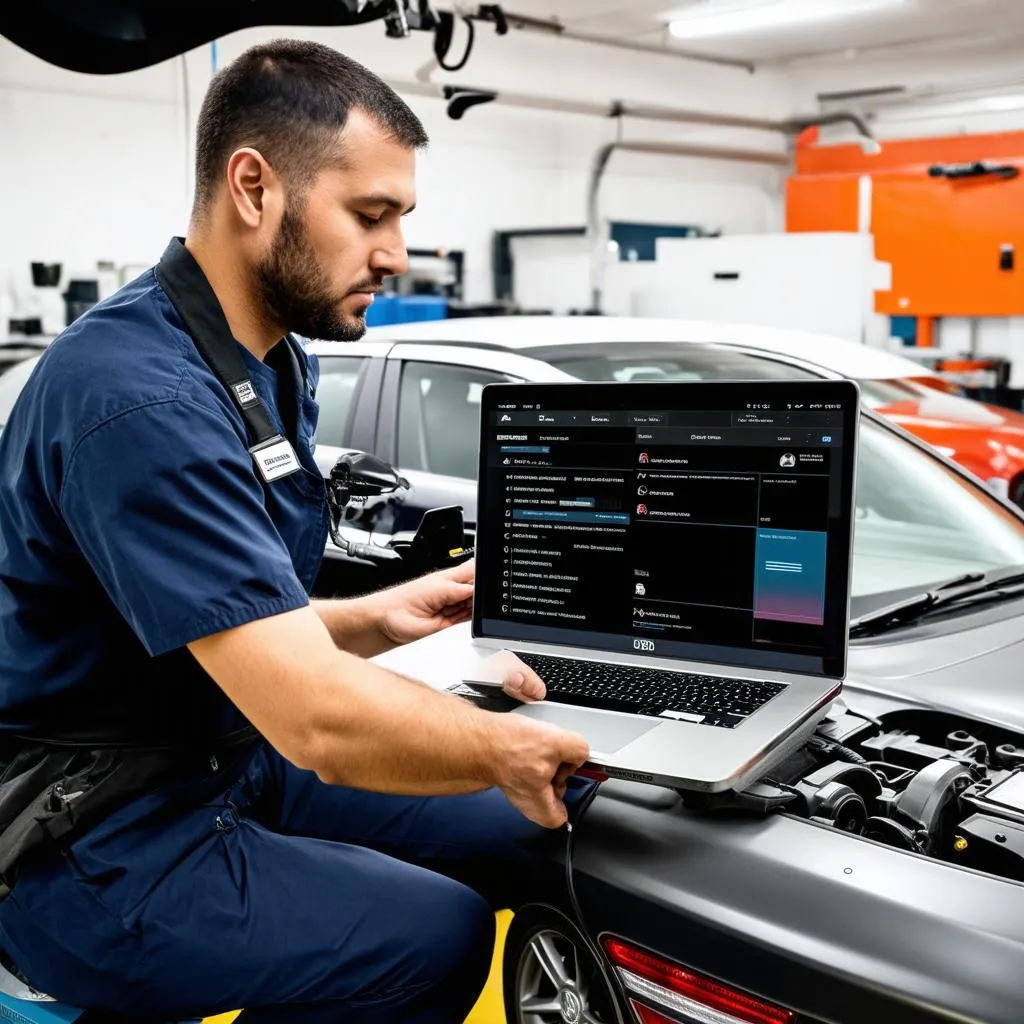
(706, 140)
(799, 188)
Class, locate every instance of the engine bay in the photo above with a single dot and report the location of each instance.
(921, 781)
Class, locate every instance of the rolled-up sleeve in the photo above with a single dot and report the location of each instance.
(167, 510)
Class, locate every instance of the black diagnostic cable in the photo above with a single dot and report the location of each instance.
(829, 748)
(571, 826)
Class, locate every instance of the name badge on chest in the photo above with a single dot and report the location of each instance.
(275, 459)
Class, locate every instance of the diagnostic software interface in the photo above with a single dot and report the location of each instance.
(706, 521)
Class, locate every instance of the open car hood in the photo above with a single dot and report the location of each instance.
(104, 37)
(971, 669)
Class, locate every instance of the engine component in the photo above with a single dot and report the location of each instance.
(891, 774)
(841, 807)
(761, 798)
(964, 744)
(892, 833)
(1009, 756)
(906, 749)
(990, 844)
(839, 794)
(829, 749)
(1002, 797)
(930, 802)
(843, 726)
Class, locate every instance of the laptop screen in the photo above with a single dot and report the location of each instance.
(704, 521)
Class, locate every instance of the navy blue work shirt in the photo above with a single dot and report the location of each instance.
(133, 521)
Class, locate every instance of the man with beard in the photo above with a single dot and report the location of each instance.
(227, 805)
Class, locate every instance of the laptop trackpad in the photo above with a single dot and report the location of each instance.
(605, 733)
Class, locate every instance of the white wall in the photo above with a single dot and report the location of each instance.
(808, 281)
(947, 95)
(99, 167)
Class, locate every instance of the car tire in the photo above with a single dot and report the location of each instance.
(551, 975)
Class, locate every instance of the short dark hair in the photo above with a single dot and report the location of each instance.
(289, 99)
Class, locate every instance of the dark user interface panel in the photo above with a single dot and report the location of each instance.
(717, 533)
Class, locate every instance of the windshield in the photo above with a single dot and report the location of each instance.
(11, 384)
(632, 360)
(918, 397)
(918, 523)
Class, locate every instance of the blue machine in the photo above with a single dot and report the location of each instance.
(21, 1003)
(406, 309)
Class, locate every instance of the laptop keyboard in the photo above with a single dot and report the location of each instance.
(659, 693)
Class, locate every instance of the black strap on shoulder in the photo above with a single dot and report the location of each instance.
(221, 745)
(190, 293)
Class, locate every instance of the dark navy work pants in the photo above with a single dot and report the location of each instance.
(259, 886)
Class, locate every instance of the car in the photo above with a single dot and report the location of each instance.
(986, 439)
(876, 874)
(409, 394)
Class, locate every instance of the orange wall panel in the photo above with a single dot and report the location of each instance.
(825, 203)
(943, 237)
(943, 240)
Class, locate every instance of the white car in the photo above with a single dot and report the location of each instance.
(987, 440)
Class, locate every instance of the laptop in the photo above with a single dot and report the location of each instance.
(673, 560)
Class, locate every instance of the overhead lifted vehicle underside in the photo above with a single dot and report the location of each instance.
(112, 36)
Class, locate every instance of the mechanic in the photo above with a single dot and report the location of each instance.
(211, 799)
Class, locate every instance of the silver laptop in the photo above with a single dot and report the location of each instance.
(673, 559)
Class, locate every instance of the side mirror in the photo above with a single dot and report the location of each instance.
(359, 475)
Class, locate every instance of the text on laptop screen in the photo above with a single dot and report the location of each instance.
(705, 521)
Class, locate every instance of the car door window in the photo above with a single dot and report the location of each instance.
(439, 417)
(336, 392)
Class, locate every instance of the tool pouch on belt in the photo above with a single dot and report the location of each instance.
(49, 793)
(55, 793)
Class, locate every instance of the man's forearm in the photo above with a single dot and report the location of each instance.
(393, 734)
(354, 624)
(352, 722)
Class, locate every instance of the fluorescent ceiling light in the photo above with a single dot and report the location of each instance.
(1002, 102)
(935, 108)
(735, 17)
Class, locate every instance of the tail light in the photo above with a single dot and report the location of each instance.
(662, 992)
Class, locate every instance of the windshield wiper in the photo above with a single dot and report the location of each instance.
(971, 588)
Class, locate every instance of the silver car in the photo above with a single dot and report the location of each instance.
(876, 876)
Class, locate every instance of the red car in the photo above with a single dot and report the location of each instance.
(986, 439)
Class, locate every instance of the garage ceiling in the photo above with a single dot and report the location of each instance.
(783, 30)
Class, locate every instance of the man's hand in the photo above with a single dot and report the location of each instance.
(425, 606)
(533, 762)
(517, 679)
